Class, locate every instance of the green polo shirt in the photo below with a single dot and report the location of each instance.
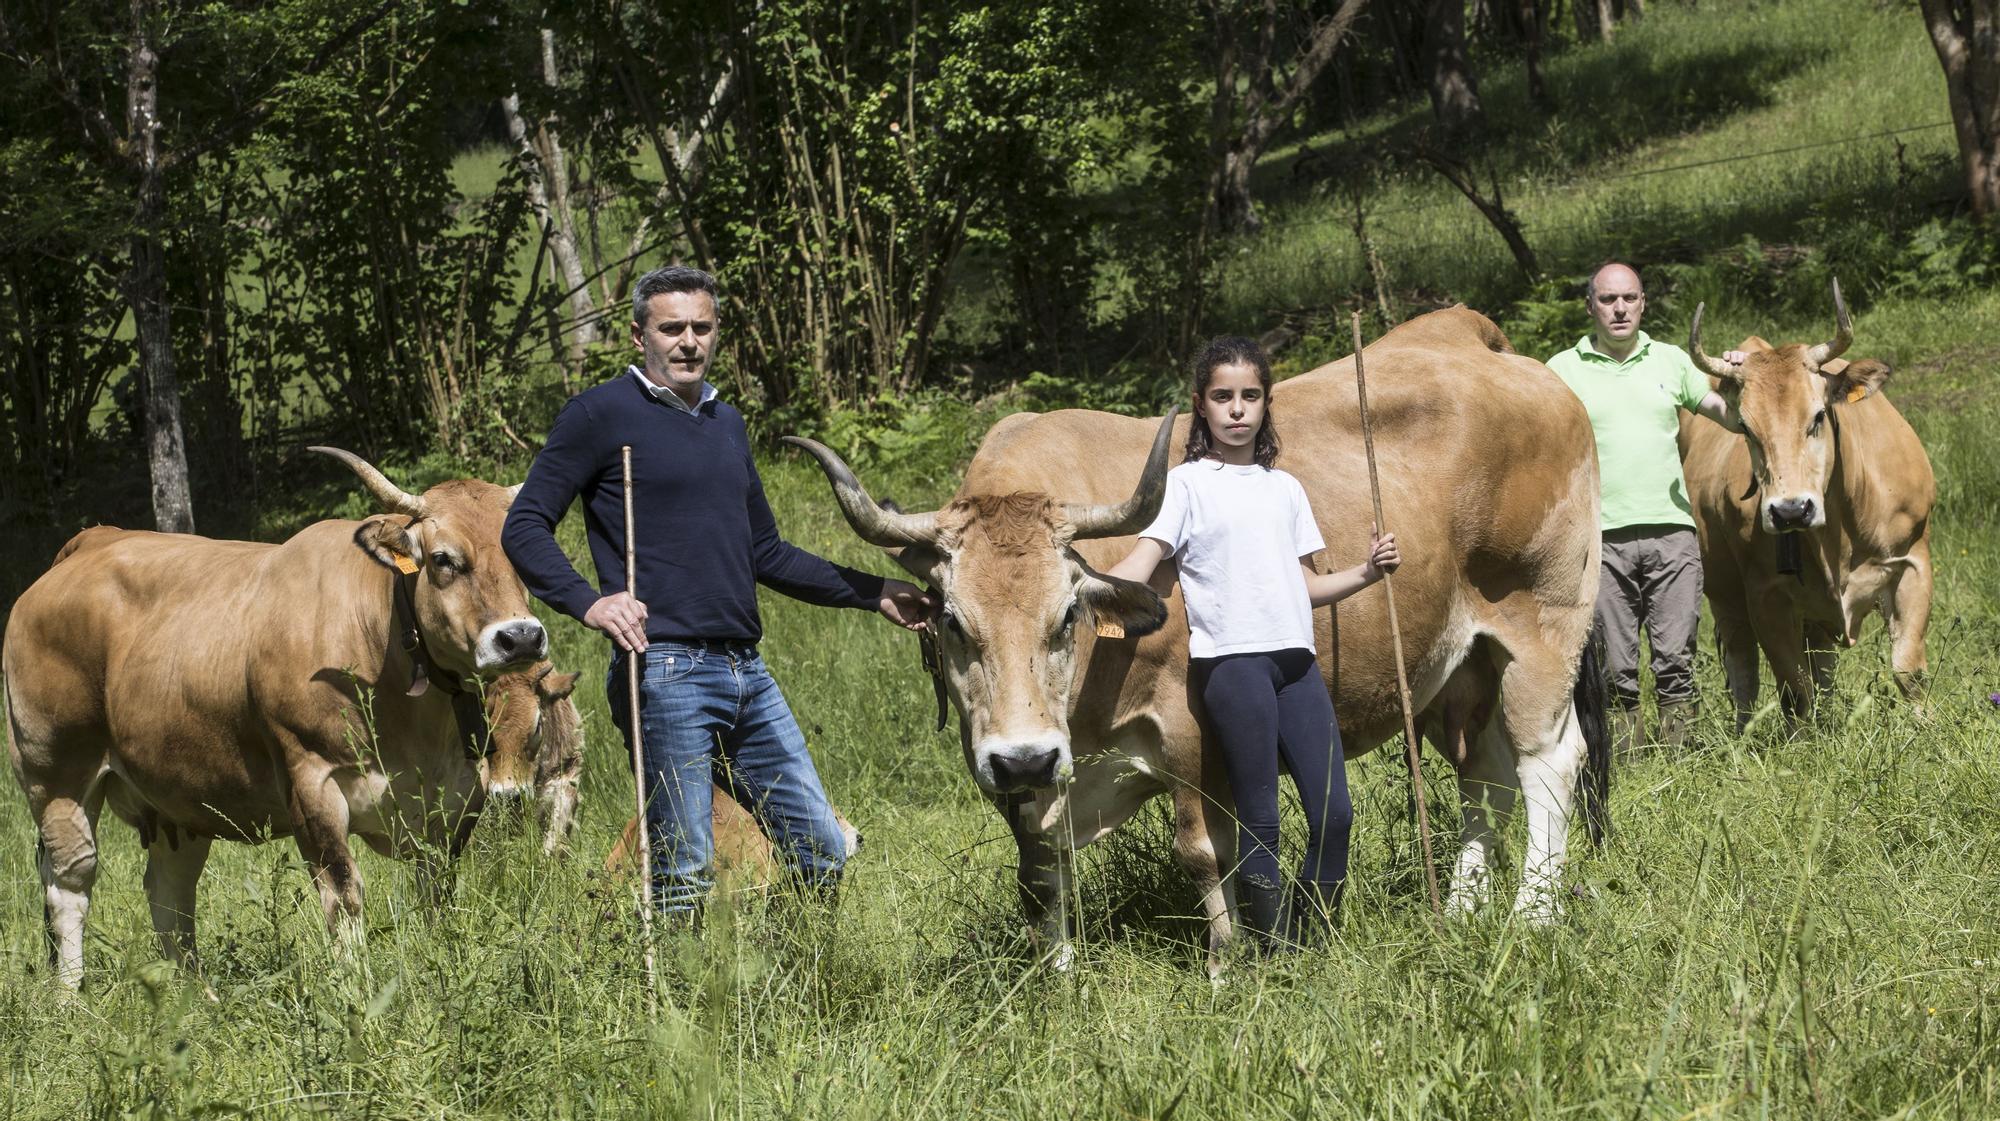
(1635, 408)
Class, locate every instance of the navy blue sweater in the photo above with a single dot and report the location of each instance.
(705, 536)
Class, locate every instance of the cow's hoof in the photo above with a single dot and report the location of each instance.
(1062, 959)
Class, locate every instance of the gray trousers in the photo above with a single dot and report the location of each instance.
(1650, 577)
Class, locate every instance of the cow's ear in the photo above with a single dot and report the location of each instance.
(1124, 604)
(555, 686)
(387, 540)
(925, 562)
(1857, 380)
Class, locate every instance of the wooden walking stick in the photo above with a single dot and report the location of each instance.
(1396, 638)
(638, 757)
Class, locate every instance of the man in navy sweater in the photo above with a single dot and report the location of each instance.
(705, 538)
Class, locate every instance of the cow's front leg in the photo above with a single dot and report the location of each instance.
(319, 825)
(1782, 637)
(173, 870)
(1205, 844)
(1044, 876)
(1906, 607)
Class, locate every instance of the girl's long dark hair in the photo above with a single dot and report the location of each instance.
(1231, 350)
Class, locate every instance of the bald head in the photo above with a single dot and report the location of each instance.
(1613, 275)
(1616, 304)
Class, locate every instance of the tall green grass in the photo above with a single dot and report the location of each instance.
(1783, 925)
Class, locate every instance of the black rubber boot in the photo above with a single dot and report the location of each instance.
(1314, 910)
(1258, 906)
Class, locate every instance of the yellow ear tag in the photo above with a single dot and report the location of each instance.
(1856, 394)
(1110, 628)
(404, 564)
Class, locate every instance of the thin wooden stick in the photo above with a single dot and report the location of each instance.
(638, 756)
(1396, 638)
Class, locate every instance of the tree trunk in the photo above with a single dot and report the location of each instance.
(1966, 34)
(1534, 24)
(1494, 209)
(1605, 18)
(548, 196)
(1263, 105)
(146, 285)
(1454, 89)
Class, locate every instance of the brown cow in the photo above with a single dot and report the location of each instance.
(1826, 459)
(744, 858)
(1490, 474)
(537, 748)
(243, 690)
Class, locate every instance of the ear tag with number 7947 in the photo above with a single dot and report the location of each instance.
(1110, 628)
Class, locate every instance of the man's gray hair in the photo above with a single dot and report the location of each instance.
(673, 278)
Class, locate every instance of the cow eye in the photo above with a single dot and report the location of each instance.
(1068, 621)
(442, 559)
(1819, 419)
(952, 624)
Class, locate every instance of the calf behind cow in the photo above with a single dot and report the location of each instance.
(537, 754)
(246, 691)
(1830, 477)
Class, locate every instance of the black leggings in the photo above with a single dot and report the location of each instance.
(1262, 705)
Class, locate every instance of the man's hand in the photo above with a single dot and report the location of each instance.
(621, 617)
(1735, 357)
(906, 605)
(1383, 557)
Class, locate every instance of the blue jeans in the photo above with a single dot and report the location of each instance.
(715, 713)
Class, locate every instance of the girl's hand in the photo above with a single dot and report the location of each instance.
(1383, 557)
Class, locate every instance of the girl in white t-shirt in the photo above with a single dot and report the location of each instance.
(1243, 534)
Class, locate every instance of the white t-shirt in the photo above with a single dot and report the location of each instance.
(1238, 534)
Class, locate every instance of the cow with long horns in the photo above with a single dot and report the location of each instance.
(318, 688)
(1816, 517)
(1071, 686)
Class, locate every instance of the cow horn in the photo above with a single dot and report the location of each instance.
(1702, 361)
(871, 522)
(1843, 334)
(391, 498)
(1132, 515)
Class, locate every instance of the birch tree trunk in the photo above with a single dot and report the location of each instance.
(1966, 34)
(145, 284)
(548, 197)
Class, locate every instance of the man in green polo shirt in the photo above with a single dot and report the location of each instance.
(1634, 387)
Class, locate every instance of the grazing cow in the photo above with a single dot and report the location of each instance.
(1816, 516)
(1071, 686)
(537, 750)
(744, 858)
(246, 691)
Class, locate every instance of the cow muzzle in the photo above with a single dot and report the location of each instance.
(511, 645)
(1794, 514)
(1013, 765)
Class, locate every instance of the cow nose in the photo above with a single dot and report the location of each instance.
(1792, 513)
(1032, 765)
(521, 641)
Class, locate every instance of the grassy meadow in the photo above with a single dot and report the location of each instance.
(1782, 925)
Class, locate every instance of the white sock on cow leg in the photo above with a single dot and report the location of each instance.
(67, 909)
(1486, 791)
(69, 871)
(1548, 779)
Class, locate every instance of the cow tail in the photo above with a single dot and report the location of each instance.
(1591, 697)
